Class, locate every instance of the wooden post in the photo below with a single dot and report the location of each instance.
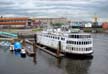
(58, 53)
(34, 44)
(35, 38)
(34, 59)
(24, 42)
(34, 48)
(12, 41)
(59, 49)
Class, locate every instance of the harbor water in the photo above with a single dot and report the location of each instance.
(43, 63)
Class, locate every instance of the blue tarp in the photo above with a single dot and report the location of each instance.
(17, 45)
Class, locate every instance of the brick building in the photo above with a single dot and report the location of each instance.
(14, 22)
(105, 25)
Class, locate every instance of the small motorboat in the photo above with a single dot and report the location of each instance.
(5, 43)
(23, 53)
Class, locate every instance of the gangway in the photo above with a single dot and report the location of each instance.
(8, 35)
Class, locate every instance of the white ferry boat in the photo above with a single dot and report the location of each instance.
(71, 42)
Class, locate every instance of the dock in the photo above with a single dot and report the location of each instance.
(57, 54)
(32, 51)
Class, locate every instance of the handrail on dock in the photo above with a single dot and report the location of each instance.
(8, 34)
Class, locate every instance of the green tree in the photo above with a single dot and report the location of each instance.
(57, 24)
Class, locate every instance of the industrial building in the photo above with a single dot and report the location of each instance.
(21, 22)
(51, 20)
(14, 22)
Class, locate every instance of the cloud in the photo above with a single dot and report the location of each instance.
(80, 9)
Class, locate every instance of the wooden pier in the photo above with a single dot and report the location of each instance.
(57, 54)
(34, 46)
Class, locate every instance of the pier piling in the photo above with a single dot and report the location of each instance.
(35, 38)
(59, 49)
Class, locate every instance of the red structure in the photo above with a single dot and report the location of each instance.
(13, 20)
(105, 25)
(36, 23)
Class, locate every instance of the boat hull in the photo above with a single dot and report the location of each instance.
(67, 52)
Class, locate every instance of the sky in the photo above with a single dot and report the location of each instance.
(73, 9)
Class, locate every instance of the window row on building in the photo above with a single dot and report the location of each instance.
(13, 20)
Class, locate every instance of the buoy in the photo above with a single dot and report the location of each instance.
(17, 54)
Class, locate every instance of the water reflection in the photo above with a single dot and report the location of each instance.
(18, 54)
(34, 59)
(59, 62)
(47, 64)
(78, 66)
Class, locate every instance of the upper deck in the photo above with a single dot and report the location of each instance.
(67, 34)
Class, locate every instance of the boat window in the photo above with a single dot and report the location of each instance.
(79, 43)
(58, 38)
(74, 42)
(68, 42)
(71, 36)
(72, 48)
(82, 49)
(86, 49)
(74, 36)
(87, 42)
(78, 49)
(77, 36)
(55, 37)
(82, 36)
(89, 36)
(62, 38)
(84, 43)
